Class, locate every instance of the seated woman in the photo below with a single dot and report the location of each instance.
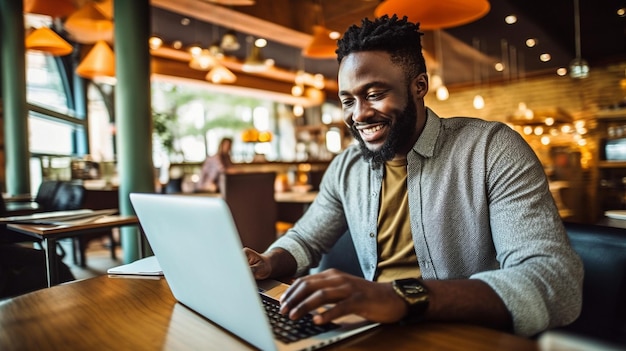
(214, 166)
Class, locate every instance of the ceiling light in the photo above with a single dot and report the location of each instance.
(499, 67)
(59, 8)
(255, 62)
(435, 14)
(531, 42)
(578, 68)
(202, 62)
(177, 44)
(260, 43)
(621, 12)
(155, 42)
(185, 21)
(442, 93)
(322, 45)
(479, 102)
(98, 63)
(89, 25)
(561, 71)
(545, 57)
(229, 41)
(195, 50)
(510, 19)
(46, 40)
(221, 75)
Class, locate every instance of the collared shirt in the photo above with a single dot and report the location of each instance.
(479, 207)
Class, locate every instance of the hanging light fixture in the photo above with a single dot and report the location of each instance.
(255, 62)
(46, 40)
(578, 68)
(58, 8)
(98, 64)
(229, 41)
(221, 75)
(203, 61)
(441, 90)
(435, 14)
(324, 42)
(322, 45)
(89, 25)
(479, 101)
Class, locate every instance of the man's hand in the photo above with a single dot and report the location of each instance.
(259, 264)
(346, 294)
(275, 264)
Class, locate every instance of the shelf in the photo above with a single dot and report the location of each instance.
(611, 164)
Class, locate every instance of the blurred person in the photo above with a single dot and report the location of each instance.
(214, 166)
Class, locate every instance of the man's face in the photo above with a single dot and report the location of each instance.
(377, 104)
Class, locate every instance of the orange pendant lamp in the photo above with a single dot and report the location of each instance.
(99, 62)
(322, 46)
(435, 14)
(57, 8)
(89, 25)
(46, 40)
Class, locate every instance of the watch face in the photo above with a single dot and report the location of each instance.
(412, 289)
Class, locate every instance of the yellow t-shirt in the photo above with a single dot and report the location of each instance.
(396, 253)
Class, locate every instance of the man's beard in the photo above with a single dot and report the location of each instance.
(400, 134)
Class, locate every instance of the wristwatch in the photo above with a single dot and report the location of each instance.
(415, 294)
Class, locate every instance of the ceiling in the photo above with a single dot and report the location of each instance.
(468, 52)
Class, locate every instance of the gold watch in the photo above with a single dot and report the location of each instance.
(415, 294)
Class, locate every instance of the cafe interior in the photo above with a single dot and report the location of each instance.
(116, 101)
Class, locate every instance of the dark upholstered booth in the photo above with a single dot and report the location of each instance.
(603, 252)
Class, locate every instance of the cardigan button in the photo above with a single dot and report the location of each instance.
(372, 235)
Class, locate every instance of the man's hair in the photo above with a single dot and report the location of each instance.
(399, 37)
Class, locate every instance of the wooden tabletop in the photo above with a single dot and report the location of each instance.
(118, 313)
(61, 230)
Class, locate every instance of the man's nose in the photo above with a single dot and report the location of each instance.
(362, 111)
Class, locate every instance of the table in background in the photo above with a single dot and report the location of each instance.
(49, 234)
(291, 205)
(139, 314)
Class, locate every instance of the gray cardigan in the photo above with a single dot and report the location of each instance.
(480, 208)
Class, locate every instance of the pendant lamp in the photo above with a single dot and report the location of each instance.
(322, 46)
(99, 62)
(578, 68)
(220, 75)
(89, 25)
(202, 62)
(46, 40)
(435, 14)
(57, 8)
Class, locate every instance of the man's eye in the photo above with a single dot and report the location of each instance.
(374, 95)
(347, 103)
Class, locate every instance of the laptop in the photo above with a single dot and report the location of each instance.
(196, 243)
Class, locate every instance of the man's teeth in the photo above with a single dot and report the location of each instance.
(372, 130)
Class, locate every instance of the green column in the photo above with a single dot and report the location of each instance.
(133, 110)
(14, 95)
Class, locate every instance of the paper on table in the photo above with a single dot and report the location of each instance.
(144, 266)
(60, 217)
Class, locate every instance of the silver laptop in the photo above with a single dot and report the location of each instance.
(195, 240)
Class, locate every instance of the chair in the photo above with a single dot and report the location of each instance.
(46, 193)
(250, 197)
(603, 252)
(342, 256)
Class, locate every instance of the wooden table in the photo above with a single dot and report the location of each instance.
(49, 234)
(112, 313)
(291, 205)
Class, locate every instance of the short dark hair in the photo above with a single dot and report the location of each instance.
(399, 37)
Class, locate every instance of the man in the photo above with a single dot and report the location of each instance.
(460, 203)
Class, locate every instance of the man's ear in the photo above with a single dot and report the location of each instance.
(419, 86)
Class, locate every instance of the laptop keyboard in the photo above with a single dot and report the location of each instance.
(287, 330)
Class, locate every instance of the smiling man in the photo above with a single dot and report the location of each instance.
(451, 218)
